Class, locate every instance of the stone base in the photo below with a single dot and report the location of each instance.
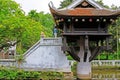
(68, 76)
(84, 70)
(84, 76)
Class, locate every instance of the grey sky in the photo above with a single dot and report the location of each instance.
(40, 5)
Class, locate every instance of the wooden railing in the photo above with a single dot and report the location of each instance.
(8, 62)
(89, 30)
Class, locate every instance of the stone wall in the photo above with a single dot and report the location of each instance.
(47, 54)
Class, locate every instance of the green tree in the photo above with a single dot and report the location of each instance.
(20, 60)
(101, 3)
(15, 26)
(45, 19)
(65, 3)
(8, 12)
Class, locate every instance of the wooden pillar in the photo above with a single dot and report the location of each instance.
(64, 44)
(72, 27)
(64, 27)
(107, 43)
(99, 27)
(106, 28)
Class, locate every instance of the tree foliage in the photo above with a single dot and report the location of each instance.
(65, 3)
(45, 19)
(14, 26)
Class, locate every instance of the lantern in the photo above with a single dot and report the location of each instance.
(62, 19)
(83, 20)
(76, 20)
(69, 20)
(98, 20)
(104, 20)
(111, 20)
(90, 20)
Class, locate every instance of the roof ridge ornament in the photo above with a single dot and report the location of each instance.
(84, 3)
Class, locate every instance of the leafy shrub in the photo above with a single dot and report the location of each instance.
(15, 74)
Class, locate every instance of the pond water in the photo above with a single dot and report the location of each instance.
(106, 75)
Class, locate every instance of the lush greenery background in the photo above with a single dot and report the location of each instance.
(16, 26)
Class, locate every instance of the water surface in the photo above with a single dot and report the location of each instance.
(106, 75)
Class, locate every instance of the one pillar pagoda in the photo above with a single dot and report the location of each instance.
(84, 25)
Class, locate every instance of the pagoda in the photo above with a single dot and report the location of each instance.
(84, 25)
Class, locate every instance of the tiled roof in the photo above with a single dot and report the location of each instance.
(84, 11)
(88, 12)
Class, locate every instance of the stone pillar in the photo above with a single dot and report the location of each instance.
(84, 66)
